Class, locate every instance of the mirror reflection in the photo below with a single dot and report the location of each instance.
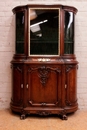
(44, 32)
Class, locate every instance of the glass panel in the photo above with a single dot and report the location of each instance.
(44, 32)
(20, 33)
(69, 33)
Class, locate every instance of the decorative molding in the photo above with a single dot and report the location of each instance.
(63, 112)
(19, 69)
(16, 67)
(69, 67)
(43, 104)
(69, 103)
(44, 113)
(44, 72)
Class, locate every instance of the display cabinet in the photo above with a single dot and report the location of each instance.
(44, 66)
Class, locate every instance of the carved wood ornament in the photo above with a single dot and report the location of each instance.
(43, 74)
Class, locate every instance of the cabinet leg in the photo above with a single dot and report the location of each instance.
(64, 117)
(22, 117)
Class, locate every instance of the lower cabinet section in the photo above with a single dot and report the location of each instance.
(18, 85)
(43, 86)
(44, 89)
(70, 85)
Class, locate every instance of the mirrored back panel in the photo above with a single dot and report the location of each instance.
(43, 31)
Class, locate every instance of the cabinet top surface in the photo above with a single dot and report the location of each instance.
(64, 7)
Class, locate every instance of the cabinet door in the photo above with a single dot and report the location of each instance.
(71, 85)
(44, 83)
(17, 90)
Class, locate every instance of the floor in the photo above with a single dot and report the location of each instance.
(11, 121)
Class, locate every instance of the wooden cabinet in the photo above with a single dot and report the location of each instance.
(71, 91)
(43, 80)
(18, 84)
(44, 66)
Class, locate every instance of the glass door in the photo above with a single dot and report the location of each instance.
(69, 33)
(44, 31)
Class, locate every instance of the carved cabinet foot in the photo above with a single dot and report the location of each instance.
(64, 117)
(23, 116)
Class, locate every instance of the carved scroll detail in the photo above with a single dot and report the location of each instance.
(68, 103)
(43, 74)
(43, 113)
(19, 69)
(43, 104)
(69, 67)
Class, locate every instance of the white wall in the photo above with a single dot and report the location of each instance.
(7, 45)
